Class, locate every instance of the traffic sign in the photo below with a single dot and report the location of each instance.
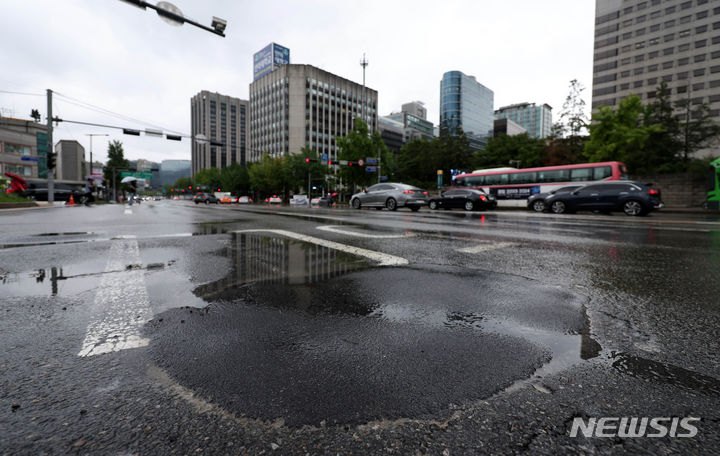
(370, 169)
(29, 159)
(343, 162)
(371, 161)
(361, 162)
(383, 178)
(324, 157)
(147, 176)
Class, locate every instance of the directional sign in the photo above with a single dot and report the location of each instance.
(370, 169)
(371, 161)
(383, 178)
(361, 162)
(343, 162)
(29, 159)
(324, 157)
(136, 175)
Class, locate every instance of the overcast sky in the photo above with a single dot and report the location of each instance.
(119, 58)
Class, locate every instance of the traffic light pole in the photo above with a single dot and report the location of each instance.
(50, 150)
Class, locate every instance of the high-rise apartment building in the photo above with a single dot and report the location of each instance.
(223, 120)
(299, 105)
(640, 44)
(536, 120)
(468, 105)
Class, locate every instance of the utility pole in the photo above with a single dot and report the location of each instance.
(91, 137)
(50, 150)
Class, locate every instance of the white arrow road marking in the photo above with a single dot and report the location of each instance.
(383, 259)
(128, 211)
(122, 305)
(487, 247)
(337, 229)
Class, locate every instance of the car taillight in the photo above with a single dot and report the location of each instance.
(408, 191)
(482, 198)
(653, 191)
(424, 193)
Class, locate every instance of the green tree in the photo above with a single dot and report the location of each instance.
(268, 175)
(453, 151)
(234, 179)
(360, 144)
(209, 177)
(183, 183)
(504, 149)
(573, 123)
(622, 135)
(697, 130)
(297, 169)
(117, 160)
(418, 162)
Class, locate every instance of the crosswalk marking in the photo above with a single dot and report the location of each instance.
(487, 247)
(122, 304)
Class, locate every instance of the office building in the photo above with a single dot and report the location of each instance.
(507, 127)
(392, 133)
(172, 170)
(536, 120)
(223, 121)
(23, 147)
(296, 106)
(70, 162)
(640, 44)
(413, 116)
(466, 105)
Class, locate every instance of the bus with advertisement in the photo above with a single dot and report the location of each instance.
(511, 187)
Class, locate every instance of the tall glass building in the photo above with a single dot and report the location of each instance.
(537, 120)
(468, 105)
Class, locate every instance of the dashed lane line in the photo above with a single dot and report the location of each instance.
(383, 259)
(487, 247)
(121, 306)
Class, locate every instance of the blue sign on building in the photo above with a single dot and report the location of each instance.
(270, 57)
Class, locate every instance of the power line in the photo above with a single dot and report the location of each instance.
(92, 107)
(23, 93)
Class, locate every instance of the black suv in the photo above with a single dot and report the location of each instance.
(466, 198)
(633, 198)
(206, 198)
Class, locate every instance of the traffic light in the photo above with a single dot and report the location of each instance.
(310, 160)
(51, 160)
(330, 162)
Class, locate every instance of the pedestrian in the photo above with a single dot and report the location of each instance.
(133, 191)
(89, 187)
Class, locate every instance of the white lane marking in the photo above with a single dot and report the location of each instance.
(128, 211)
(383, 259)
(487, 247)
(337, 229)
(122, 304)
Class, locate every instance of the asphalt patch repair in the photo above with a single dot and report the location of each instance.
(378, 343)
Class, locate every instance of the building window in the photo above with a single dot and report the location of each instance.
(701, 15)
(637, 84)
(701, 29)
(669, 37)
(684, 33)
(640, 19)
(652, 81)
(699, 58)
(699, 72)
(667, 65)
(684, 47)
(700, 43)
(669, 10)
(685, 19)
(683, 75)
(655, 28)
(686, 5)
(640, 32)
(652, 68)
(683, 61)
(668, 51)
(698, 86)
(653, 54)
(639, 58)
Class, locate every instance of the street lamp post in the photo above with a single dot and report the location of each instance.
(172, 15)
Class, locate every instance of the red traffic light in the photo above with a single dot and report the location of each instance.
(307, 160)
(189, 187)
(329, 162)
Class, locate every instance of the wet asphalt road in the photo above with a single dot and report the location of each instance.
(175, 328)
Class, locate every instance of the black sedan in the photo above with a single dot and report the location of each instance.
(536, 202)
(206, 198)
(61, 192)
(633, 198)
(467, 198)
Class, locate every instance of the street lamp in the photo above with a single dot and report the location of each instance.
(172, 15)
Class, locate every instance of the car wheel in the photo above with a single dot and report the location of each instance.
(558, 207)
(356, 203)
(433, 205)
(391, 204)
(634, 208)
(538, 206)
(469, 205)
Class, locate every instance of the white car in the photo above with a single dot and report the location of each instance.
(244, 200)
(273, 200)
(299, 200)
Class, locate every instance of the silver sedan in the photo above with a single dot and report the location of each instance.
(391, 196)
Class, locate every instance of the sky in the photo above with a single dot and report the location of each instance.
(101, 56)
